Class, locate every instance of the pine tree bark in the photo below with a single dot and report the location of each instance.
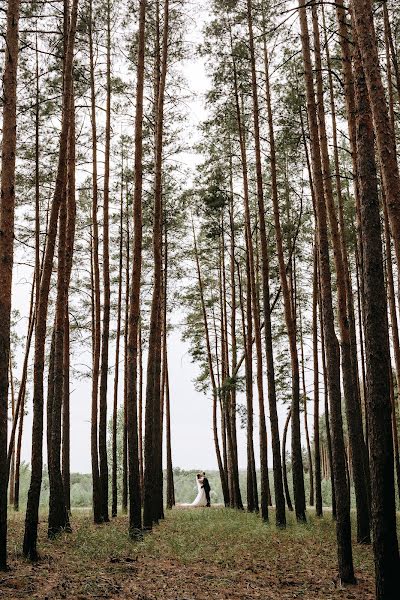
(278, 483)
(126, 331)
(385, 545)
(103, 471)
(12, 446)
(363, 22)
(285, 479)
(114, 486)
(96, 500)
(237, 496)
(348, 361)
(32, 510)
(69, 252)
(135, 516)
(58, 515)
(343, 524)
(8, 154)
(251, 481)
(152, 507)
(140, 407)
(317, 446)
(170, 473)
(265, 289)
(305, 409)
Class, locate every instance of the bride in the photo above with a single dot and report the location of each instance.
(200, 499)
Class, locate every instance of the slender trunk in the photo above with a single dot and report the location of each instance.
(70, 239)
(103, 472)
(343, 524)
(140, 407)
(8, 153)
(135, 517)
(326, 405)
(252, 504)
(361, 321)
(265, 279)
(168, 445)
(285, 479)
(66, 424)
(278, 483)
(170, 472)
(126, 329)
(97, 504)
(224, 395)
(317, 452)
(114, 507)
(152, 506)
(58, 514)
(395, 432)
(237, 496)
(305, 407)
(224, 483)
(349, 372)
(297, 467)
(13, 413)
(32, 510)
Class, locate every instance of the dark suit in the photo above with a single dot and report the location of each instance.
(207, 489)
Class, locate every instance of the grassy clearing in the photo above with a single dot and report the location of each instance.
(193, 554)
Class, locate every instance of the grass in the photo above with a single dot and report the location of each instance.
(193, 554)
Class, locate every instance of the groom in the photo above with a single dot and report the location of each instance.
(206, 487)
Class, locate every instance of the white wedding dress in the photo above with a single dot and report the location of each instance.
(200, 499)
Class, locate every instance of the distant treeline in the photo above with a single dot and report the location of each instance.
(185, 487)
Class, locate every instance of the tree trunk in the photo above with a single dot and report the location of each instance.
(58, 515)
(349, 372)
(70, 239)
(32, 510)
(13, 414)
(168, 445)
(152, 506)
(126, 330)
(305, 407)
(285, 479)
(252, 496)
(135, 517)
(343, 524)
(278, 483)
(237, 496)
(385, 136)
(106, 288)
(8, 152)
(140, 408)
(265, 276)
(385, 545)
(224, 482)
(97, 504)
(317, 446)
(114, 506)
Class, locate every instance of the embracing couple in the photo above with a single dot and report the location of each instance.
(203, 495)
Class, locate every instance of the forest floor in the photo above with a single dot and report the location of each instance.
(194, 554)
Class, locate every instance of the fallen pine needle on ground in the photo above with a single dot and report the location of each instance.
(195, 554)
